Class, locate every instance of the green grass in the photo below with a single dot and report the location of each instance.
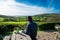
(21, 23)
(8, 23)
(1, 19)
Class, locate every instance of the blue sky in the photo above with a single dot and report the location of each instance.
(28, 7)
(44, 3)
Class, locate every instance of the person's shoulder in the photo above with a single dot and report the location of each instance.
(35, 23)
(28, 24)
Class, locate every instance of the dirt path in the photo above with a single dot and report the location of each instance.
(47, 35)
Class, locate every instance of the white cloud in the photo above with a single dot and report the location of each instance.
(12, 8)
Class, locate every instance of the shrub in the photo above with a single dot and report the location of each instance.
(48, 26)
(4, 29)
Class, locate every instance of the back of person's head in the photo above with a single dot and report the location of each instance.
(29, 18)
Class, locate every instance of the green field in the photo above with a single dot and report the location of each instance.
(44, 22)
(19, 23)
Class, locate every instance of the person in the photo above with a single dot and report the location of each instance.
(31, 28)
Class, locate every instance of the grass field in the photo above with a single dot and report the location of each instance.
(22, 23)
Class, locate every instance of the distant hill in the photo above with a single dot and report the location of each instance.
(3, 16)
(49, 17)
(40, 18)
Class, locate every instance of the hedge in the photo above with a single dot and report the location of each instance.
(48, 26)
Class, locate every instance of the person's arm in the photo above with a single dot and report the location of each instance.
(28, 30)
